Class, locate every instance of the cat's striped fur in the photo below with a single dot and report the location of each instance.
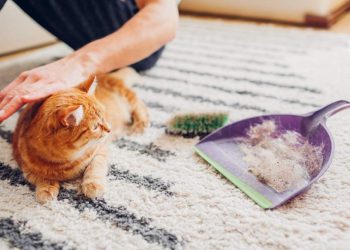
(66, 136)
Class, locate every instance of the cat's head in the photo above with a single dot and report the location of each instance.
(73, 120)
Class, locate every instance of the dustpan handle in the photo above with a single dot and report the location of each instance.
(320, 116)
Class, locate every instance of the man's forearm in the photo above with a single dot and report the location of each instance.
(147, 31)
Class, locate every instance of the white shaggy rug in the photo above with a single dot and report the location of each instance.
(162, 195)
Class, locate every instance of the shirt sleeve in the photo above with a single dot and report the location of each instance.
(2, 2)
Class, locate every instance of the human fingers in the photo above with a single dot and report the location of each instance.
(27, 88)
(16, 93)
(26, 79)
(21, 78)
(5, 100)
(10, 107)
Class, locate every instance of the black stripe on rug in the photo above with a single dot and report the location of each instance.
(122, 218)
(13, 233)
(161, 107)
(148, 182)
(232, 68)
(118, 216)
(198, 98)
(241, 79)
(6, 134)
(223, 41)
(150, 149)
(231, 50)
(12, 175)
(212, 54)
(231, 45)
(226, 90)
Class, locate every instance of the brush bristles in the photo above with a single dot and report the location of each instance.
(192, 125)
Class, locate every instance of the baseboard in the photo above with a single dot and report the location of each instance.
(312, 17)
(329, 20)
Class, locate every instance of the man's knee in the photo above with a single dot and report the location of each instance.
(148, 62)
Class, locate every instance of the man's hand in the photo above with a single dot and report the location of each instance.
(38, 83)
(152, 27)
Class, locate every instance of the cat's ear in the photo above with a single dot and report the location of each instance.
(71, 116)
(89, 85)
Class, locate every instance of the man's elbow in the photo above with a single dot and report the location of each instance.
(171, 19)
(168, 15)
(171, 32)
(165, 16)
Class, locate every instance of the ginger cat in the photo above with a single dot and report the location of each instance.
(66, 136)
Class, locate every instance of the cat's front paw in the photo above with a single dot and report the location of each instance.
(93, 189)
(139, 127)
(46, 193)
(140, 119)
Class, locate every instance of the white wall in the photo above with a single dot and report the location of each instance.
(19, 31)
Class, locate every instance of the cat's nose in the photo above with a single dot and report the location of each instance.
(106, 127)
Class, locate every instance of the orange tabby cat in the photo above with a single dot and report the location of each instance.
(66, 136)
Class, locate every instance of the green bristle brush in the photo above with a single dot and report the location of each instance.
(196, 124)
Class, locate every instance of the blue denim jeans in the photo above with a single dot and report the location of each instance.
(78, 22)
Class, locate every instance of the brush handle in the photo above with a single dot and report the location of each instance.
(311, 121)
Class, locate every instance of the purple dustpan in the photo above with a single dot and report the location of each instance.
(221, 150)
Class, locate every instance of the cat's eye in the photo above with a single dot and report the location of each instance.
(95, 127)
